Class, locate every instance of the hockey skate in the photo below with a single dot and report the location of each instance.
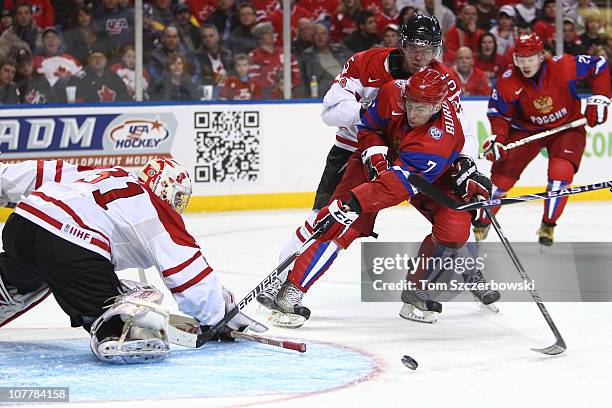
(14, 304)
(481, 230)
(484, 297)
(419, 307)
(287, 308)
(268, 295)
(546, 234)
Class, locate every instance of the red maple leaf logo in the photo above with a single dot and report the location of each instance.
(106, 94)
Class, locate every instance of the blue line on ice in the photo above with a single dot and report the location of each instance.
(217, 370)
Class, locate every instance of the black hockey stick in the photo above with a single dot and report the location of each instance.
(433, 192)
(209, 334)
(559, 346)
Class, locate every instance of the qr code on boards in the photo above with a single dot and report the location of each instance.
(228, 146)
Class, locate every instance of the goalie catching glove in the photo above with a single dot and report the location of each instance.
(468, 182)
(335, 219)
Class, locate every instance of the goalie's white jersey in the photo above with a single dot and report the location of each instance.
(109, 212)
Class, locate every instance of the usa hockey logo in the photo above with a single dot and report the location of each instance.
(116, 26)
(139, 134)
(436, 133)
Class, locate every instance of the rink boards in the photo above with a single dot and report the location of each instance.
(240, 155)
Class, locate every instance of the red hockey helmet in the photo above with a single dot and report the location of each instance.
(426, 86)
(528, 45)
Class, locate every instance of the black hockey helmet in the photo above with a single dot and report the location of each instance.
(421, 30)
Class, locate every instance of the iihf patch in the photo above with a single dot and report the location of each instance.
(436, 133)
(342, 82)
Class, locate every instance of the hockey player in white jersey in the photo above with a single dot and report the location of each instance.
(73, 227)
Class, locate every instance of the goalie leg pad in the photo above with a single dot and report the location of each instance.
(143, 334)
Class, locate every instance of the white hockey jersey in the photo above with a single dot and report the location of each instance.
(109, 212)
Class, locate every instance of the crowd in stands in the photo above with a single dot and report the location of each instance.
(70, 51)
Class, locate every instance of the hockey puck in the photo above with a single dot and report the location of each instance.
(410, 362)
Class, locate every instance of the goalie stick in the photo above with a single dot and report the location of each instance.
(559, 346)
(209, 334)
(433, 192)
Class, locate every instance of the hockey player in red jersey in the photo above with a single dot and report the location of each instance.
(357, 85)
(73, 227)
(413, 124)
(539, 93)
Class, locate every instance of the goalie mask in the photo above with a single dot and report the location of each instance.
(169, 181)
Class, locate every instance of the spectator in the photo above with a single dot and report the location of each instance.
(242, 39)
(464, 34)
(448, 17)
(24, 28)
(323, 61)
(42, 11)
(188, 31)
(176, 85)
(526, 12)
(408, 11)
(53, 63)
(579, 10)
(33, 87)
(371, 5)
(202, 9)
(214, 60)
(6, 20)
(391, 36)
(224, 18)
(592, 37)
(388, 14)
(98, 83)
(366, 36)
(297, 13)
(305, 37)
(169, 44)
(486, 13)
(544, 27)
(240, 87)
(267, 63)
(264, 8)
(82, 34)
(9, 95)
(571, 41)
(126, 70)
(116, 25)
(504, 31)
(321, 10)
(343, 22)
(488, 60)
(157, 17)
(474, 82)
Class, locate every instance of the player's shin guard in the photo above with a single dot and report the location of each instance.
(560, 175)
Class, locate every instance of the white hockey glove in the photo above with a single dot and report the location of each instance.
(240, 322)
(596, 111)
(375, 160)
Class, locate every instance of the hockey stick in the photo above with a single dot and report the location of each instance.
(542, 135)
(180, 327)
(559, 346)
(433, 192)
(209, 334)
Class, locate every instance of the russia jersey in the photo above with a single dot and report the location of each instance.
(109, 212)
(548, 101)
(427, 150)
(361, 78)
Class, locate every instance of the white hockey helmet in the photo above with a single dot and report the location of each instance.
(168, 180)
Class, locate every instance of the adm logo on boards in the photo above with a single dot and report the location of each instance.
(138, 134)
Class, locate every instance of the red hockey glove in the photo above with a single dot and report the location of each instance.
(468, 182)
(375, 160)
(596, 111)
(494, 150)
(333, 220)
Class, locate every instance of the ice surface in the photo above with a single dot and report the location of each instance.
(469, 358)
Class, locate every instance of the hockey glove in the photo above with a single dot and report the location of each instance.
(493, 149)
(334, 220)
(240, 322)
(375, 160)
(468, 182)
(596, 111)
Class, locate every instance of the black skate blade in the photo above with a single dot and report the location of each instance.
(552, 350)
